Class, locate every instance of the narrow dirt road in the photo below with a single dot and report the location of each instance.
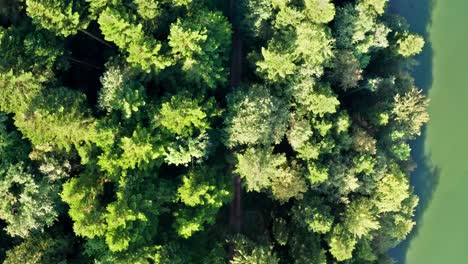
(235, 218)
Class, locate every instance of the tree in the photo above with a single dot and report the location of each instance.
(18, 91)
(201, 44)
(347, 71)
(363, 142)
(341, 243)
(28, 200)
(361, 218)
(254, 117)
(143, 50)
(183, 116)
(186, 124)
(62, 17)
(276, 65)
(263, 170)
(12, 148)
(319, 11)
(58, 117)
(300, 131)
(258, 167)
(82, 195)
(30, 50)
(256, 18)
(148, 9)
(247, 251)
(26, 205)
(43, 248)
(139, 151)
(314, 46)
(144, 161)
(410, 44)
(280, 231)
(129, 221)
(365, 252)
(409, 110)
(288, 183)
(391, 191)
(203, 192)
(120, 91)
(305, 248)
(357, 28)
(314, 215)
(377, 5)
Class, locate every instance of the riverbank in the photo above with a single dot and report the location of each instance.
(441, 153)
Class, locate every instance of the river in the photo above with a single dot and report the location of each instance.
(441, 180)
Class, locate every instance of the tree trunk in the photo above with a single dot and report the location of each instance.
(85, 63)
(96, 38)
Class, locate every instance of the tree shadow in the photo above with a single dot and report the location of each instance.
(425, 178)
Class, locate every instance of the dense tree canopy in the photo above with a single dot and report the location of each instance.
(123, 141)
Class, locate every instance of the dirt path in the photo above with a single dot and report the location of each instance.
(235, 218)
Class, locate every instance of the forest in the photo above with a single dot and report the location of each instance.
(206, 131)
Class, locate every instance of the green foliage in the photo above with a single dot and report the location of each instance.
(119, 92)
(254, 117)
(27, 49)
(341, 243)
(410, 44)
(280, 231)
(98, 251)
(62, 17)
(409, 111)
(396, 226)
(263, 170)
(249, 252)
(182, 116)
(321, 100)
(305, 248)
(148, 9)
(361, 218)
(318, 128)
(319, 11)
(130, 220)
(38, 249)
(139, 150)
(185, 122)
(143, 50)
(203, 192)
(357, 28)
(314, 46)
(276, 65)
(18, 91)
(313, 214)
(258, 167)
(12, 148)
(317, 173)
(58, 117)
(255, 18)
(25, 205)
(391, 190)
(201, 43)
(82, 195)
(377, 5)
(347, 71)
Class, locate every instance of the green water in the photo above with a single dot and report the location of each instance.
(441, 236)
